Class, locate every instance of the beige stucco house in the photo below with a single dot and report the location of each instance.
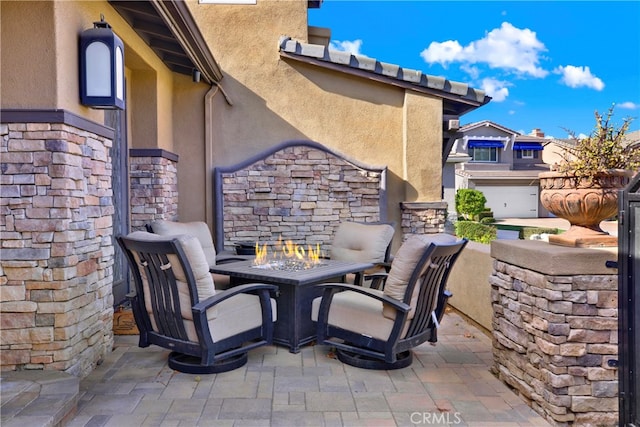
(207, 86)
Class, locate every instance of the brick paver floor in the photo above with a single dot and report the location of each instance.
(447, 384)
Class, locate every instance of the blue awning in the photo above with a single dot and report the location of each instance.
(483, 143)
(527, 146)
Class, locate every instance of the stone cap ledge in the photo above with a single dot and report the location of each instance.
(554, 260)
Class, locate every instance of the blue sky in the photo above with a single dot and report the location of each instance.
(547, 64)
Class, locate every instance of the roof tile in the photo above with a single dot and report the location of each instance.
(365, 63)
(312, 50)
(390, 70)
(338, 57)
(434, 82)
(410, 75)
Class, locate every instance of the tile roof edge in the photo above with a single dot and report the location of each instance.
(371, 65)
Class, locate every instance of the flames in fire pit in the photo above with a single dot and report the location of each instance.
(288, 256)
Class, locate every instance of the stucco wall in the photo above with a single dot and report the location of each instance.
(374, 123)
(40, 66)
(469, 283)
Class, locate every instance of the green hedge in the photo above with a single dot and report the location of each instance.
(526, 232)
(476, 232)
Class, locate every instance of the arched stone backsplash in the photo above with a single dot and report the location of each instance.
(298, 190)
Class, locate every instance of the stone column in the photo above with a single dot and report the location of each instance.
(154, 186)
(422, 218)
(56, 258)
(555, 328)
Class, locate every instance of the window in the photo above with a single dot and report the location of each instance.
(484, 150)
(527, 150)
(527, 154)
(484, 154)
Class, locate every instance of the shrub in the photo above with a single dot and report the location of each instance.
(476, 232)
(605, 149)
(469, 202)
(487, 220)
(527, 232)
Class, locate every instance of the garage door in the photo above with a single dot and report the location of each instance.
(511, 202)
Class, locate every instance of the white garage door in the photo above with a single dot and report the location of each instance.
(512, 202)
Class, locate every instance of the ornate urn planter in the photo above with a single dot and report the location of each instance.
(584, 204)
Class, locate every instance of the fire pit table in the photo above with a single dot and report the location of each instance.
(294, 326)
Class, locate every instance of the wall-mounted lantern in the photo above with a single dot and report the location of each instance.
(101, 67)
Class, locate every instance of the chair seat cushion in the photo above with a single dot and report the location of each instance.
(403, 265)
(235, 315)
(357, 312)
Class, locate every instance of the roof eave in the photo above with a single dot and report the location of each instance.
(176, 14)
(454, 104)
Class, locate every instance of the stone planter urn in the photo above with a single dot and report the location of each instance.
(584, 204)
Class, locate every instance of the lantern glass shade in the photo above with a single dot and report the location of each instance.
(119, 73)
(98, 61)
(101, 68)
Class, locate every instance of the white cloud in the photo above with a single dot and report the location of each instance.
(628, 105)
(509, 48)
(352, 47)
(471, 70)
(443, 53)
(579, 76)
(495, 89)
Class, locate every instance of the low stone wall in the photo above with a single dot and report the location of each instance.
(555, 328)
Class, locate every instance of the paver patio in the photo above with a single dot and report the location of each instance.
(448, 384)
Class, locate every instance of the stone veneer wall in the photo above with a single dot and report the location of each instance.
(153, 185)
(300, 192)
(423, 218)
(57, 250)
(555, 328)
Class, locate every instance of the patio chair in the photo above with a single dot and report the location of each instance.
(200, 230)
(364, 242)
(176, 306)
(376, 329)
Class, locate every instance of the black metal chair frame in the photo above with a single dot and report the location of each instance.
(432, 270)
(204, 356)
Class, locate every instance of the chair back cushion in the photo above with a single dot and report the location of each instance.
(403, 266)
(198, 229)
(361, 242)
(199, 267)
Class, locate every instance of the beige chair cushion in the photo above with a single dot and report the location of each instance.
(403, 265)
(361, 242)
(232, 316)
(199, 266)
(198, 229)
(237, 314)
(358, 313)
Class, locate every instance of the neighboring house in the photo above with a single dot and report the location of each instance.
(73, 177)
(554, 148)
(501, 163)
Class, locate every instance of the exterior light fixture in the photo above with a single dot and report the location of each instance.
(101, 67)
